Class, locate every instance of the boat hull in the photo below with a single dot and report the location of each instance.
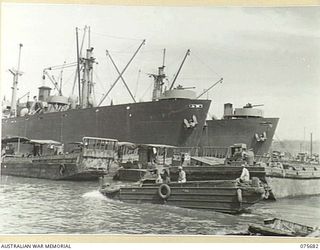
(292, 183)
(280, 227)
(216, 196)
(160, 122)
(218, 172)
(226, 132)
(55, 168)
(303, 180)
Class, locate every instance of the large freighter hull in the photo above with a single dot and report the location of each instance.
(158, 122)
(226, 132)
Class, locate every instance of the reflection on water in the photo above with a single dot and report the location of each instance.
(35, 206)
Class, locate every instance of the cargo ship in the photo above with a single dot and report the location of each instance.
(174, 116)
(240, 125)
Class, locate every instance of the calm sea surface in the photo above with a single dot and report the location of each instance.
(35, 206)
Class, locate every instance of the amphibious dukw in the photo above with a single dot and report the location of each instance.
(221, 196)
(89, 159)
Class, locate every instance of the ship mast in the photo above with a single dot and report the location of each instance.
(311, 144)
(207, 90)
(86, 90)
(175, 78)
(158, 80)
(87, 82)
(121, 73)
(78, 66)
(121, 77)
(16, 74)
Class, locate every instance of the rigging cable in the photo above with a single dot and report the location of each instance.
(82, 42)
(121, 77)
(66, 65)
(205, 64)
(146, 91)
(123, 71)
(137, 83)
(282, 144)
(117, 37)
(98, 80)
(75, 79)
(68, 78)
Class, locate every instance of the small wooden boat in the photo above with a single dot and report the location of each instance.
(89, 160)
(222, 196)
(281, 227)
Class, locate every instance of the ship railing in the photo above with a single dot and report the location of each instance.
(99, 147)
(217, 152)
(13, 155)
(192, 151)
(293, 172)
(70, 157)
(262, 158)
(95, 153)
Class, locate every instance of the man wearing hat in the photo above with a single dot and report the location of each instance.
(182, 175)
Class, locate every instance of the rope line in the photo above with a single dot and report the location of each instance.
(282, 144)
(203, 63)
(117, 37)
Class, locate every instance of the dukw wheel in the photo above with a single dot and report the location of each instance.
(164, 191)
(62, 169)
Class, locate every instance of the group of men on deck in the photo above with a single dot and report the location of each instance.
(164, 177)
(240, 154)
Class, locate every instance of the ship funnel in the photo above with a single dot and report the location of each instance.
(44, 93)
(228, 110)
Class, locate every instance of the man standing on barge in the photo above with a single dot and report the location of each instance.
(245, 175)
(182, 175)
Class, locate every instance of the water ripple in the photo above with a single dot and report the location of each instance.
(35, 206)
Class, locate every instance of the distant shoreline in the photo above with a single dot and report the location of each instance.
(295, 146)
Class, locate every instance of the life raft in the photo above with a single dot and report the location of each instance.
(164, 191)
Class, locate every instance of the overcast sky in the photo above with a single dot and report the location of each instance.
(267, 56)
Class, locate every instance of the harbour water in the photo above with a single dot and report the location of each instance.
(37, 206)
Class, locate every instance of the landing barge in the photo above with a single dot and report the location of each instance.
(89, 160)
(293, 179)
